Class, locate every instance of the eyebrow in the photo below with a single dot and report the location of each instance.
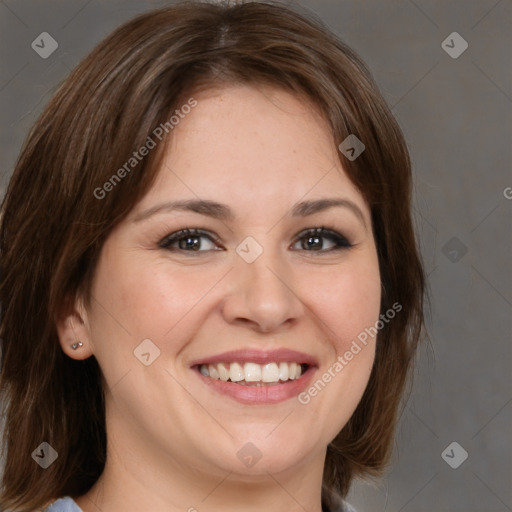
(223, 212)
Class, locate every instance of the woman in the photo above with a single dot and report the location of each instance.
(210, 287)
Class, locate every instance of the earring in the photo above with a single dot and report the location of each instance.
(77, 345)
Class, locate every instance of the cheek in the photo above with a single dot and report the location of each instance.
(136, 300)
(348, 301)
(143, 299)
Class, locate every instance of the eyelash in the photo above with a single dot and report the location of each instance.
(341, 242)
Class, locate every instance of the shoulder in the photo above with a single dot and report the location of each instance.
(65, 504)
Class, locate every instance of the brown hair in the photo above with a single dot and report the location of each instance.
(53, 225)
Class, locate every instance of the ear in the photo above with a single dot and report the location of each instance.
(73, 330)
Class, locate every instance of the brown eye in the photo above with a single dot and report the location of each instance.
(188, 240)
(313, 240)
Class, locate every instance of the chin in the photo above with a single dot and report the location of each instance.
(262, 453)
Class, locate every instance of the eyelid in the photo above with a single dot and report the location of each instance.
(322, 231)
(181, 233)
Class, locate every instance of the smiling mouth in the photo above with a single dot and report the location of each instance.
(253, 374)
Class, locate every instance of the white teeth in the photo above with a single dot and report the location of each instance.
(252, 372)
(270, 373)
(236, 372)
(223, 372)
(283, 371)
(214, 374)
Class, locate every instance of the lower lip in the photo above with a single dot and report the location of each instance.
(258, 395)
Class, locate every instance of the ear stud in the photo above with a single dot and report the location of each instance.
(77, 345)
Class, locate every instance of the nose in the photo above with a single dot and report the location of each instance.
(262, 295)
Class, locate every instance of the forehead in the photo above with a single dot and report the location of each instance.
(244, 146)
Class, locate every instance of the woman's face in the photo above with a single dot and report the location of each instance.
(251, 296)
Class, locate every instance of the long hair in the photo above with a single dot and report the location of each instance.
(54, 221)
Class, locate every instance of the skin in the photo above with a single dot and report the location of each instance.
(172, 441)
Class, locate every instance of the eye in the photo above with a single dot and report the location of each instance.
(188, 240)
(314, 240)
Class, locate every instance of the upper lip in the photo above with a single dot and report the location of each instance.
(281, 355)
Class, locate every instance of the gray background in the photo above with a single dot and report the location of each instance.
(456, 114)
